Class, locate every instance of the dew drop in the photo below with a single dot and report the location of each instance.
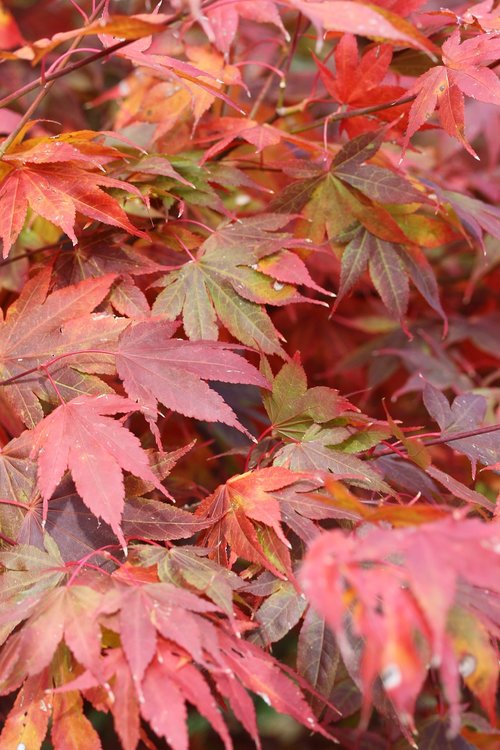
(391, 677)
(278, 286)
(435, 661)
(242, 199)
(467, 665)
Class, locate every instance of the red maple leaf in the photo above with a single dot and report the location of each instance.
(40, 327)
(57, 179)
(229, 128)
(359, 82)
(80, 436)
(223, 19)
(247, 519)
(464, 72)
(155, 367)
(385, 583)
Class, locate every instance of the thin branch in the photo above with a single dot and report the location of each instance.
(442, 439)
(61, 66)
(463, 435)
(40, 81)
(347, 114)
(7, 143)
(43, 80)
(335, 117)
(31, 253)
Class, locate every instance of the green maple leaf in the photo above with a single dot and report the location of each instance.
(236, 272)
(348, 193)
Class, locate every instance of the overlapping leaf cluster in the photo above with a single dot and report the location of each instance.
(249, 369)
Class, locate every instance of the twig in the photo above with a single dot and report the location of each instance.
(347, 114)
(61, 66)
(64, 69)
(40, 81)
(444, 438)
(463, 435)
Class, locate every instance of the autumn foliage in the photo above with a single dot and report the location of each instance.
(249, 373)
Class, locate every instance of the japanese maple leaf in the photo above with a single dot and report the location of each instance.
(28, 573)
(28, 719)
(261, 675)
(79, 145)
(98, 254)
(41, 326)
(166, 103)
(69, 612)
(484, 13)
(126, 27)
(466, 414)
(166, 67)
(358, 82)
(206, 58)
(17, 483)
(303, 417)
(362, 20)
(80, 436)
(155, 367)
(237, 270)
(10, 35)
(444, 86)
(73, 527)
(477, 217)
(56, 183)
(192, 566)
(385, 584)
(292, 407)
(390, 267)
(221, 19)
(169, 639)
(247, 519)
(349, 192)
(101, 253)
(278, 614)
(229, 128)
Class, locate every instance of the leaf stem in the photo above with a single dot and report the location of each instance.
(8, 540)
(53, 383)
(44, 365)
(84, 561)
(267, 84)
(15, 503)
(262, 435)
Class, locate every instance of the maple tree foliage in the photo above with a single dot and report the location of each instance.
(249, 373)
